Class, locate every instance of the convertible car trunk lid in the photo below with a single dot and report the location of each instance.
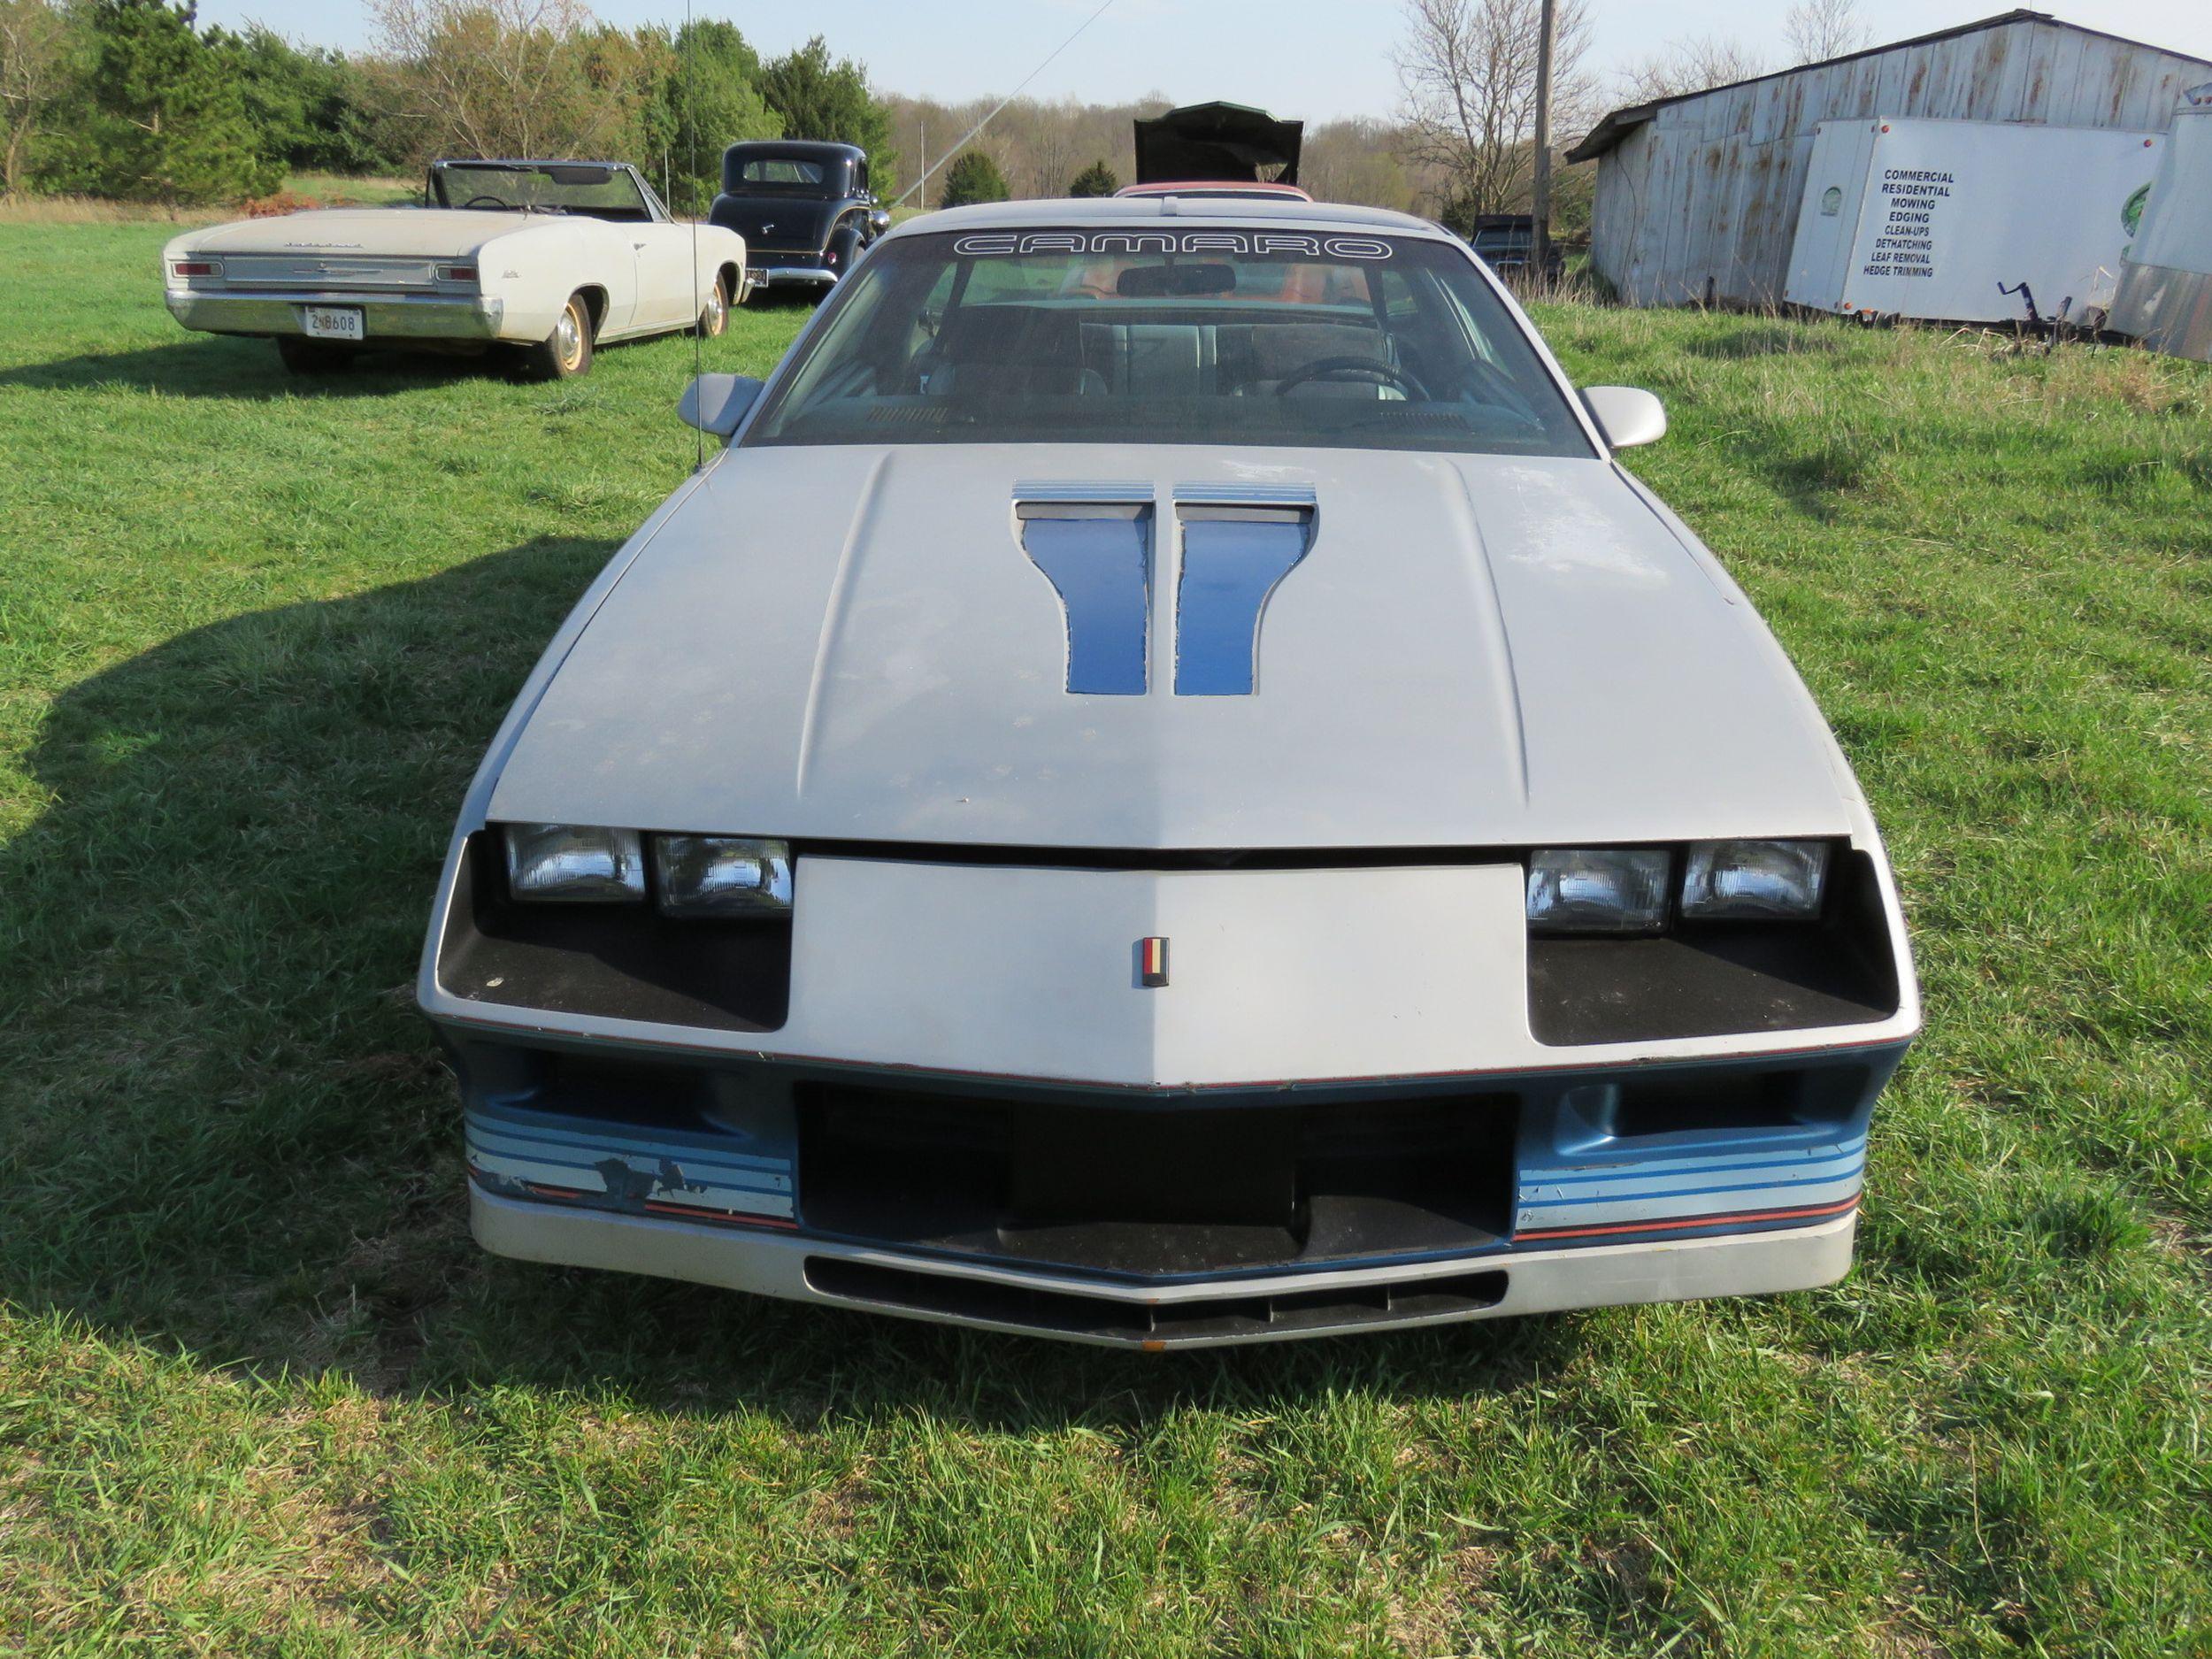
(848, 642)
(349, 234)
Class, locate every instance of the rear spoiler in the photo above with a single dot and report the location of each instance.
(1218, 141)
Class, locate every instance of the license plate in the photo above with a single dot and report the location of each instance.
(334, 322)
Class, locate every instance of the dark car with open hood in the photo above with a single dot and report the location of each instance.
(804, 209)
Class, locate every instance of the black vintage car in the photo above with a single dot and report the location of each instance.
(1507, 243)
(804, 210)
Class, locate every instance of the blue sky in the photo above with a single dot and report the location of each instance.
(1316, 58)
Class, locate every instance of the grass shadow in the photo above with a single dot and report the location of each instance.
(232, 1134)
(233, 368)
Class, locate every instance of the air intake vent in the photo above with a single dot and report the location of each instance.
(1069, 1314)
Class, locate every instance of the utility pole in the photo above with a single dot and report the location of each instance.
(1540, 251)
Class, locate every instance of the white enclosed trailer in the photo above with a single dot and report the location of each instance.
(1948, 219)
(2166, 280)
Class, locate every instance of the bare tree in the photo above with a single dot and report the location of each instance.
(1690, 65)
(35, 72)
(1468, 71)
(1817, 29)
(508, 77)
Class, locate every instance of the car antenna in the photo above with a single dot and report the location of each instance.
(1001, 105)
(698, 331)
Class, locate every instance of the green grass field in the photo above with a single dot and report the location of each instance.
(259, 1393)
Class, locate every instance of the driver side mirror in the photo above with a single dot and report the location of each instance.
(717, 403)
(1627, 415)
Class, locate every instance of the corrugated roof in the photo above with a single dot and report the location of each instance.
(1616, 125)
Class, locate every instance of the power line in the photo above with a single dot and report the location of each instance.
(1004, 101)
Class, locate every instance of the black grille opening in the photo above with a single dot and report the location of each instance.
(1157, 1189)
(1832, 1096)
(1072, 1314)
(1742, 1100)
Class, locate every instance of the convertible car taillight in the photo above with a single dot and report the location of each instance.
(574, 864)
(197, 267)
(456, 273)
(725, 876)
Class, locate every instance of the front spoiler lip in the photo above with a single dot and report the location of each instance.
(772, 1263)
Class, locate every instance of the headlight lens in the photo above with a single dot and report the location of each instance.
(1598, 890)
(1755, 880)
(722, 876)
(575, 865)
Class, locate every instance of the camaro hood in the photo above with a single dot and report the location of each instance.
(419, 231)
(851, 643)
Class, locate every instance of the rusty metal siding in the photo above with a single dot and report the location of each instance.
(1701, 200)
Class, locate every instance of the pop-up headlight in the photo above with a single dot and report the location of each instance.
(1751, 881)
(724, 876)
(1597, 889)
(572, 864)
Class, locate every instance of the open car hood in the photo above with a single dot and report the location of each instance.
(1220, 142)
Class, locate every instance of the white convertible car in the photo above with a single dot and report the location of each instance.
(1167, 788)
(548, 257)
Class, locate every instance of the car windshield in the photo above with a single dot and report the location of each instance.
(594, 191)
(1187, 335)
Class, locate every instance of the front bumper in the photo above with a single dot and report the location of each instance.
(385, 317)
(1363, 1098)
(1157, 1319)
(1176, 1219)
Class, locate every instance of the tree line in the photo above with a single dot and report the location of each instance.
(135, 100)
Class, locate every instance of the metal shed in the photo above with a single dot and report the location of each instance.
(1698, 196)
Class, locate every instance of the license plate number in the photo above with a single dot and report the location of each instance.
(334, 322)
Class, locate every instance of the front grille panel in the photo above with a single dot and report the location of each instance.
(1155, 1190)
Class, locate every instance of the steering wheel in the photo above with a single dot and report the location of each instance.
(478, 201)
(1369, 368)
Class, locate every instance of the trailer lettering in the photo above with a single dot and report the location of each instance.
(1906, 246)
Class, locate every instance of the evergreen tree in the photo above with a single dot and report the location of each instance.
(1096, 180)
(706, 97)
(820, 99)
(311, 106)
(169, 120)
(973, 177)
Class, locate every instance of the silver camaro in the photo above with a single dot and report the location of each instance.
(1166, 788)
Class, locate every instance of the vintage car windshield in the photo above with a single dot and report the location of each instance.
(595, 192)
(1143, 335)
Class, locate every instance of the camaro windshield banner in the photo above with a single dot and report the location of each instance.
(1143, 242)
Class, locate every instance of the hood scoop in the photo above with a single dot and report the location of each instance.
(1100, 545)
